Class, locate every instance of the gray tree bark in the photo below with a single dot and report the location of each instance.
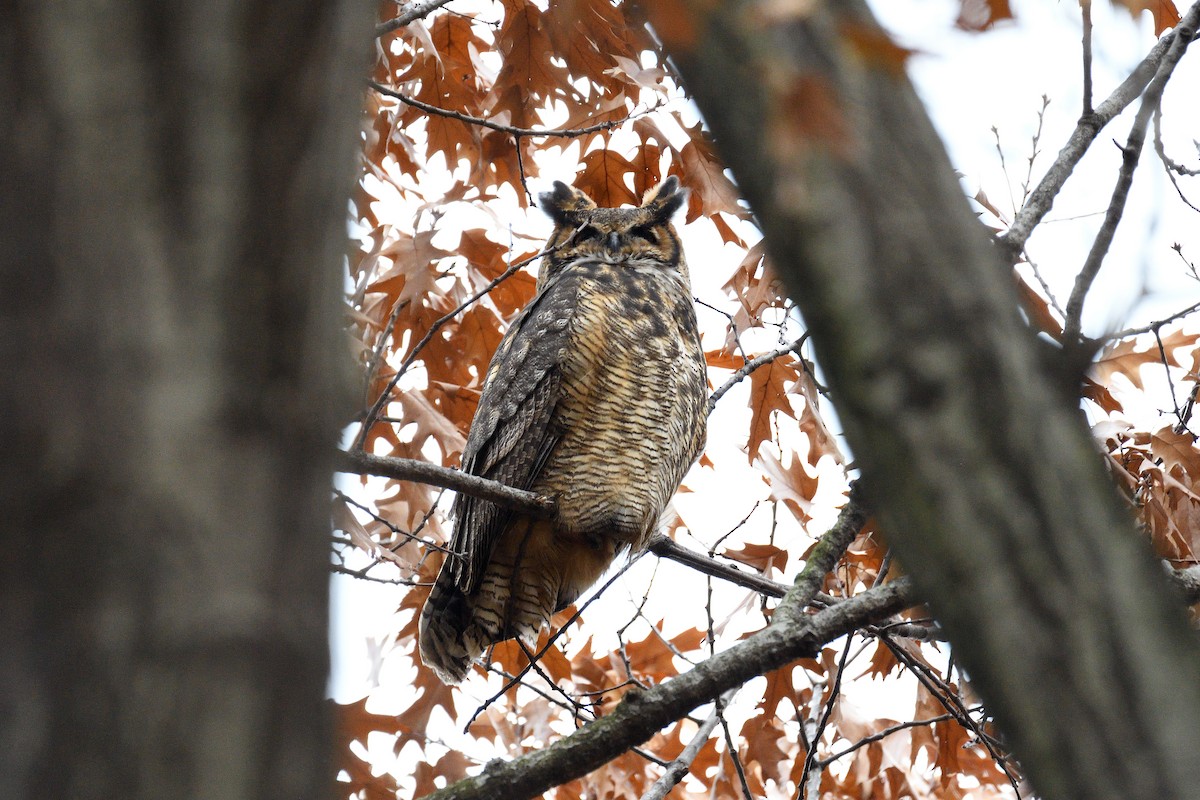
(172, 204)
(986, 481)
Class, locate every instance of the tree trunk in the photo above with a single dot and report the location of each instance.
(172, 204)
(987, 483)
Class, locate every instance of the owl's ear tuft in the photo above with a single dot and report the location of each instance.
(665, 199)
(564, 203)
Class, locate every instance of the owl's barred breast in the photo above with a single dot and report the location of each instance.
(596, 397)
(632, 397)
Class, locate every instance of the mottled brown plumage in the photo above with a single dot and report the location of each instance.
(596, 397)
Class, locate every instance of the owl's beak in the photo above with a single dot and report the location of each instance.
(613, 242)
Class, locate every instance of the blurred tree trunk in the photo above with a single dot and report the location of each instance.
(988, 484)
(172, 209)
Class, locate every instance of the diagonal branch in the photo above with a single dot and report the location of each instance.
(665, 547)
(1131, 153)
(643, 713)
(750, 366)
(680, 766)
(1012, 241)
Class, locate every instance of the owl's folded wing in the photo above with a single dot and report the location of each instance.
(514, 430)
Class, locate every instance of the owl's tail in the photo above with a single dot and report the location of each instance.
(518, 592)
(444, 620)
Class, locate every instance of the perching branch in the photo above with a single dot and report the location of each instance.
(665, 547)
(407, 469)
(1013, 240)
(849, 522)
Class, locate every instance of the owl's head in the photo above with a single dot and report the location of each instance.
(582, 229)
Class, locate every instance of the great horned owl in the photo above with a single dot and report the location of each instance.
(596, 397)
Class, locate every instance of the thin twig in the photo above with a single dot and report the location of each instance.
(1086, 8)
(1171, 166)
(1037, 273)
(750, 366)
(412, 13)
(377, 352)
(731, 749)
(564, 133)
(679, 767)
(875, 737)
(810, 758)
(1162, 356)
(386, 394)
(737, 336)
(1013, 240)
(1034, 149)
(1128, 332)
(357, 574)
(1130, 155)
(1012, 201)
(950, 701)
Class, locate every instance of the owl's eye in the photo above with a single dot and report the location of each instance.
(645, 232)
(587, 232)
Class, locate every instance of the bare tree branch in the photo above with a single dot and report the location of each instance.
(565, 133)
(1013, 240)
(875, 737)
(750, 366)
(1131, 153)
(642, 713)
(665, 547)
(412, 13)
(679, 767)
(407, 469)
